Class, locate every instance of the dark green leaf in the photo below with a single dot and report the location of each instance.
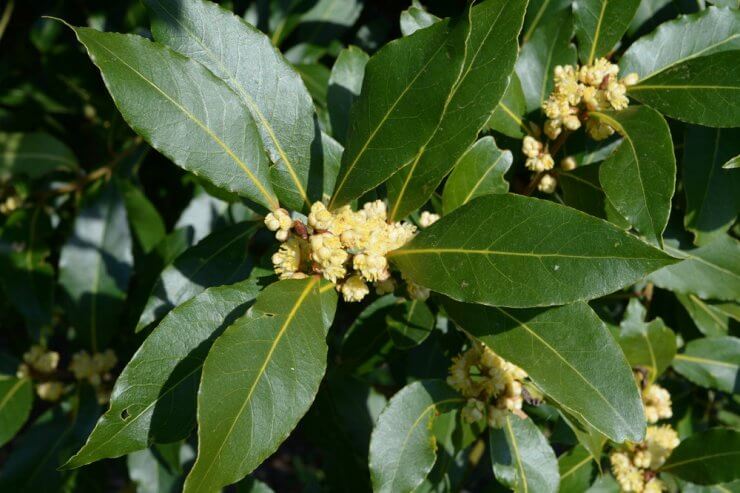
(540, 10)
(509, 250)
(345, 84)
(183, 111)
(712, 318)
(221, 258)
(582, 191)
(332, 154)
(366, 342)
(154, 398)
(251, 485)
(402, 446)
(570, 355)
(712, 363)
(410, 323)
(260, 377)
(508, 117)
(576, 470)
(317, 22)
(710, 457)
(600, 24)
(415, 18)
(33, 155)
(522, 459)
(480, 171)
(649, 345)
(316, 78)
(16, 398)
(640, 176)
(146, 223)
(548, 46)
(95, 265)
(151, 472)
(712, 201)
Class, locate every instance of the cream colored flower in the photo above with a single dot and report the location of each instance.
(427, 219)
(631, 79)
(38, 359)
(473, 411)
(531, 147)
(629, 477)
(547, 184)
(657, 402)
(615, 93)
(289, 257)
(568, 164)
(50, 391)
(354, 289)
(598, 130)
(327, 252)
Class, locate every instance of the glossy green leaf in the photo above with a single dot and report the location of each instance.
(332, 151)
(648, 345)
(576, 470)
(221, 258)
(33, 155)
(640, 176)
(548, 46)
(402, 446)
(414, 18)
(245, 59)
(712, 201)
(509, 250)
(710, 272)
(153, 399)
(208, 131)
(95, 266)
(586, 435)
(16, 398)
(410, 78)
(410, 323)
(480, 171)
(582, 191)
(522, 458)
(712, 318)
(709, 457)
(345, 84)
(570, 355)
(508, 117)
(538, 11)
(490, 52)
(600, 24)
(263, 372)
(711, 362)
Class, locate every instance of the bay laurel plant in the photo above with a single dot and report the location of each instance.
(498, 252)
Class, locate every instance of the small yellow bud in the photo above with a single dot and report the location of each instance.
(631, 79)
(568, 164)
(50, 391)
(531, 147)
(427, 219)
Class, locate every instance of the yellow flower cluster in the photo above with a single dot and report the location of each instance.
(347, 247)
(657, 403)
(95, 369)
(590, 88)
(492, 385)
(40, 363)
(538, 159)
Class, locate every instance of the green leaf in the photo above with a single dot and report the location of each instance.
(490, 52)
(510, 250)
(710, 457)
(221, 258)
(151, 473)
(576, 470)
(712, 201)
(539, 11)
(410, 323)
(508, 117)
(712, 318)
(345, 84)
(480, 171)
(582, 191)
(16, 398)
(183, 111)
(570, 355)
(95, 266)
(600, 24)
(411, 77)
(317, 21)
(259, 379)
(522, 458)
(640, 176)
(415, 18)
(548, 46)
(402, 446)
(711, 362)
(710, 272)
(364, 345)
(332, 154)
(146, 223)
(649, 345)
(153, 400)
(33, 155)
(245, 59)
(733, 163)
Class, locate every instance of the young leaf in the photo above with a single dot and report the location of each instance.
(710, 457)
(640, 176)
(576, 470)
(260, 377)
(33, 155)
(711, 362)
(510, 250)
(600, 24)
(490, 52)
(183, 111)
(410, 78)
(410, 323)
(712, 204)
(522, 459)
(220, 258)
(345, 84)
(569, 354)
(402, 446)
(95, 265)
(549, 46)
(712, 318)
(415, 18)
(508, 117)
(480, 171)
(153, 401)
(245, 59)
(16, 398)
(710, 272)
(649, 345)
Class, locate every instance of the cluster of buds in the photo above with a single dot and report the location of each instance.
(539, 160)
(582, 89)
(9, 205)
(95, 369)
(427, 219)
(492, 385)
(41, 364)
(634, 465)
(348, 248)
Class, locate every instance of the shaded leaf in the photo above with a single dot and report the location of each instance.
(508, 117)
(16, 398)
(540, 10)
(600, 24)
(648, 345)
(345, 84)
(582, 191)
(332, 154)
(576, 470)
(410, 323)
(712, 318)
(710, 457)
(33, 155)
(366, 341)
(146, 223)
(415, 18)
(711, 362)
